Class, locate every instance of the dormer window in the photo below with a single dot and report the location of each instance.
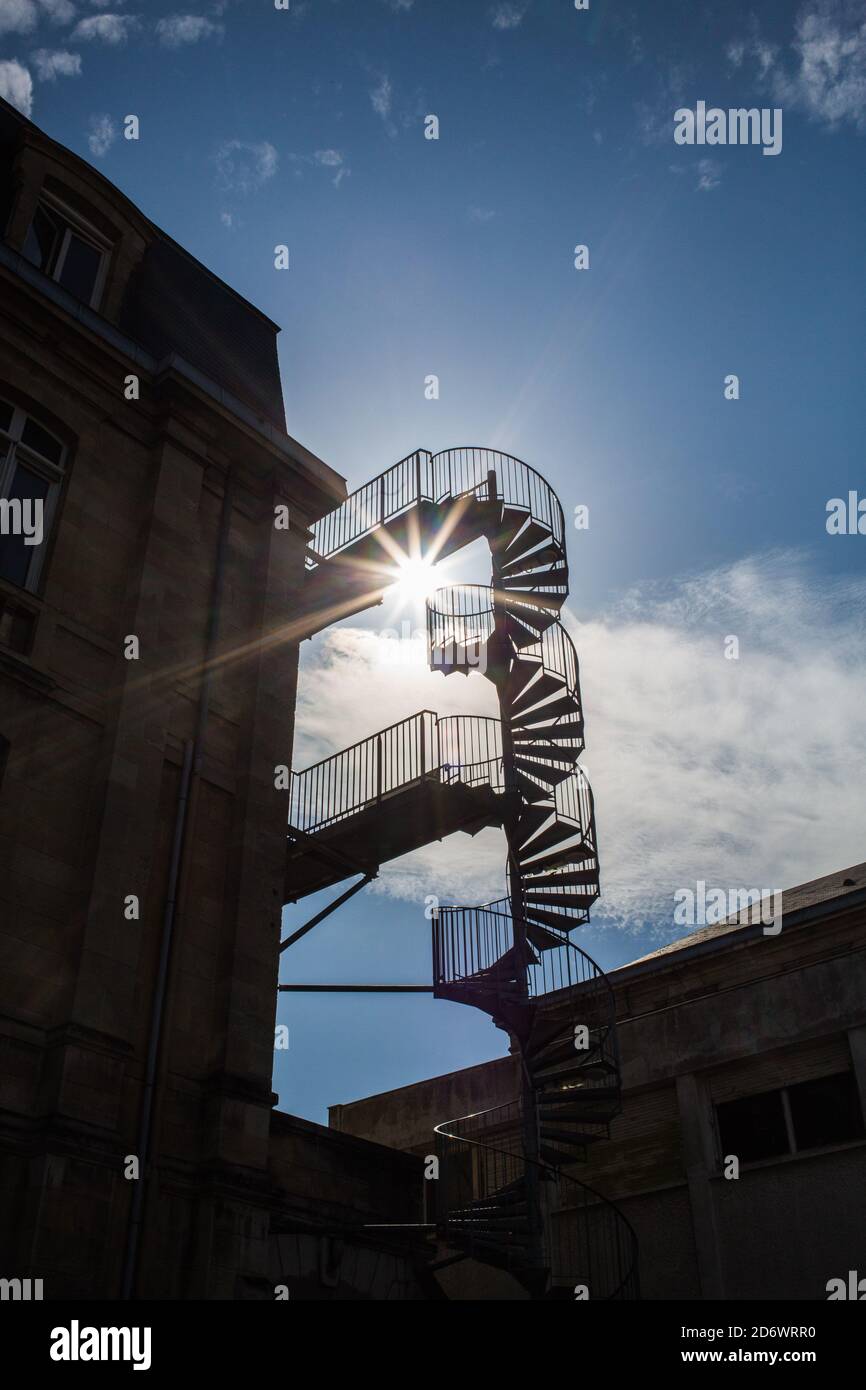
(68, 249)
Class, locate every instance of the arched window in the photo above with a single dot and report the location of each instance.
(32, 462)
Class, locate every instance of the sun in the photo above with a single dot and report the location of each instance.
(415, 579)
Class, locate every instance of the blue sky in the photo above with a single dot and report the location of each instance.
(455, 257)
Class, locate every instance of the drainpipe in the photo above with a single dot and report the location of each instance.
(192, 761)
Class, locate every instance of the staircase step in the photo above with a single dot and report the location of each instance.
(573, 878)
(547, 752)
(550, 554)
(544, 940)
(546, 1072)
(563, 920)
(555, 1157)
(513, 518)
(543, 1048)
(546, 579)
(521, 635)
(529, 789)
(569, 854)
(531, 711)
(532, 535)
(532, 610)
(563, 1138)
(543, 686)
(531, 820)
(553, 835)
(542, 771)
(523, 670)
(597, 1073)
(592, 1098)
(534, 894)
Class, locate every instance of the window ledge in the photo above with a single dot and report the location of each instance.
(801, 1156)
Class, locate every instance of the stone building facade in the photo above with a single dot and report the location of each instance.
(141, 834)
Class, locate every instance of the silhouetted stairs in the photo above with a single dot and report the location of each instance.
(504, 1197)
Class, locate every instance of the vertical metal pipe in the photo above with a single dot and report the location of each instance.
(193, 752)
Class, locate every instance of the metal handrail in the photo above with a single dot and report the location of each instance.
(437, 478)
(457, 748)
(576, 1256)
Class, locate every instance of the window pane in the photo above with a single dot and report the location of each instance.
(15, 556)
(826, 1111)
(753, 1127)
(41, 244)
(80, 268)
(5, 416)
(41, 442)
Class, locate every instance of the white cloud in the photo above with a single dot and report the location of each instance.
(17, 16)
(743, 773)
(112, 29)
(58, 11)
(52, 63)
(227, 219)
(736, 51)
(477, 214)
(333, 159)
(829, 82)
(102, 135)
(16, 85)
(243, 166)
(709, 174)
(179, 29)
(380, 97)
(507, 15)
(398, 5)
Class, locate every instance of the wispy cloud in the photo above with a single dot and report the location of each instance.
(102, 135)
(479, 214)
(739, 772)
(243, 166)
(18, 17)
(179, 29)
(22, 16)
(507, 15)
(112, 29)
(333, 159)
(58, 11)
(16, 85)
(380, 97)
(52, 63)
(709, 174)
(829, 80)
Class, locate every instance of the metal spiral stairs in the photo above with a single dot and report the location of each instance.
(503, 1196)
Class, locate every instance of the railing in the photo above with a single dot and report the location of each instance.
(572, 805)
(457, 472)
(469, 941)
(459, 616)
(458, 748)
(481, 1172)
(438, 478)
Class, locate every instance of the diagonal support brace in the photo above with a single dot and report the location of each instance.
(326, 911)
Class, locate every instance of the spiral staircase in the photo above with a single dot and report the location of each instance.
(503, 1196)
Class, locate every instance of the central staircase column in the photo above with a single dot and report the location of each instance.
(499, 648)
